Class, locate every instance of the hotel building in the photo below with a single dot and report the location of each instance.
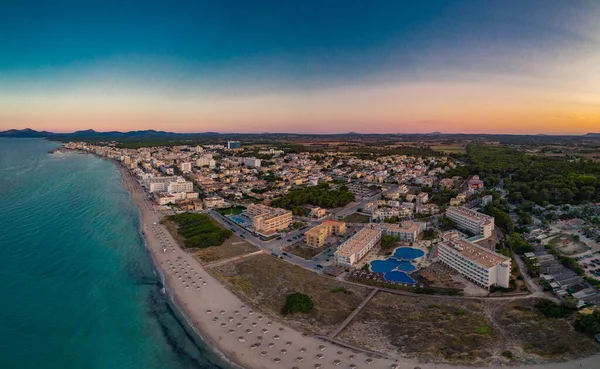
(471, 220)
(180, 185)
(408, 231)
(356, 247)
(266, 219)
(233, 145)
(479, 265)
(317, 235)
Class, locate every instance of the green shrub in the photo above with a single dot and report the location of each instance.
(552, 310)
(484, 329)
(297, 303)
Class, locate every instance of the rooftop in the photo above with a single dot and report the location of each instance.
(358, 241)
(473, 252)
(471, 214)
(322, 228)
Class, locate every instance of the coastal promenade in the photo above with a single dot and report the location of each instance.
(253, 339)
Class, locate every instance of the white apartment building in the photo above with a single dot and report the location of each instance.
(158, 184)
(180, 185)
(252, 162)
(206, 162)
(356, 247)
(478, 264)
(186, 167)
(471, 220)
(409, 231)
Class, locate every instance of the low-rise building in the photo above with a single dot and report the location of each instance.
(317, 212)
(356, 247)
(409, 231)
(213, 202)
(478, 264)
(317, 235)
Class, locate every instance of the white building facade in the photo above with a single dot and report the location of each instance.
(478, 264)
(471, 220)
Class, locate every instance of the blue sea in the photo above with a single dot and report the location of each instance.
(78, 289)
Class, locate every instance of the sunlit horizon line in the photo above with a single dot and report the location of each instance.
(317, 133)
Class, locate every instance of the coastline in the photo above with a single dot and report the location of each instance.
(287, 344)
(193, 306)
(172, 297)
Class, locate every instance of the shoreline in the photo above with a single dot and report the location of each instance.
(193, 308)
(171, 296)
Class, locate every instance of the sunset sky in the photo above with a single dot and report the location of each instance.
(507, 66)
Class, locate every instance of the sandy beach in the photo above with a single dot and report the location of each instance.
(252, 339)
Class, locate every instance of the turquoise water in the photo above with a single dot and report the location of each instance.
(240, 220)
(394, 268)
(78, 287)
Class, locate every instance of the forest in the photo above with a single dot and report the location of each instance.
(542, 180)
(321, 195)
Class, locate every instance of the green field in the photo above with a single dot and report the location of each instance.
(199, 230)
(236, 210)
(450, 149)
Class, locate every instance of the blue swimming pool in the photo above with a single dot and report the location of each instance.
(240, 220)
(394, 268)
(408, 253)
(391, 264)
(399, 277)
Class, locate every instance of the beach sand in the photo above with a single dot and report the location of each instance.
(223, 321)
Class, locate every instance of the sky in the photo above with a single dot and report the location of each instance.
(328, 66)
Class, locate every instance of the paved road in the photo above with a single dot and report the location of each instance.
(268, 246)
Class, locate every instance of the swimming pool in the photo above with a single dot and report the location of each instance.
(240, 220)
(395, 267)
(391, 264)
(408, 253)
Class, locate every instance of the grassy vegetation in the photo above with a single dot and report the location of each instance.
(235, 210)
(297, 303)
(356, 218)
(589, 323)
(298, 225)
(321, 195)
(199, 230)
(465, 331)
(484, 329)
(552, 310)
(305, 252)
(450, 149)
(234, 246)
(398, 323)
(265, 282)
(388, 241)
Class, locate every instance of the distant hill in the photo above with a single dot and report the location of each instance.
(158, 138)
(25, 133)
(92, 134)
